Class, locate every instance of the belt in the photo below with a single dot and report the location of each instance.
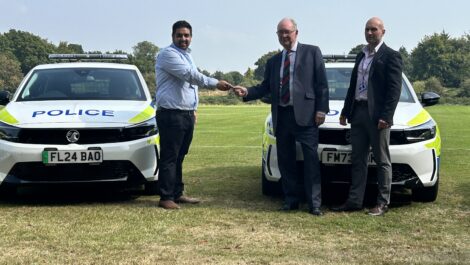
(360, 102)
(175, 110)
(287, 107)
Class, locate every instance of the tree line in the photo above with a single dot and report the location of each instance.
(439, 63)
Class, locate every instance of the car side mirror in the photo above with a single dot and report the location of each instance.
(4, 97)
(429, 98)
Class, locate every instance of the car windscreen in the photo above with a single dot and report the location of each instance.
(338, 84)
(82, 84)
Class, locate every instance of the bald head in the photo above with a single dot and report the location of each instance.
(374, 32)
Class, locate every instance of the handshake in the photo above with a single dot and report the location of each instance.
(238, 90)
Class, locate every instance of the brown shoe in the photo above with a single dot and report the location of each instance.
(186, 199)
(168, 204)
(379, 209)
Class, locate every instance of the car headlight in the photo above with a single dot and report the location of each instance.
(141, 130)
(269, 127)
(9, 132)
(421, 132)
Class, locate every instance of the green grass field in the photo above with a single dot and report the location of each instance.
(235, 224)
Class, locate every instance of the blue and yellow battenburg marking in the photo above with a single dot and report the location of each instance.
(6, 117)
(146, 114)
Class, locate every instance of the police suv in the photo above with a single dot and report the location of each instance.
(415, 142)
(79, 122)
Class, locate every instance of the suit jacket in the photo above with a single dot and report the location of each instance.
(310, 86)
(384, 87)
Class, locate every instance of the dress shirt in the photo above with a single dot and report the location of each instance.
(362, 82)
(291, 72)
(293, 54)
(178, 78)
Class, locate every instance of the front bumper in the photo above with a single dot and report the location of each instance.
(413, 165)
(132, 161)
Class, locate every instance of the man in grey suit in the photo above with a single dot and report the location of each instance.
(296, 80)
(369, 106)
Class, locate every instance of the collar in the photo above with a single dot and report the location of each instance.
(376, 49)
(294, 48)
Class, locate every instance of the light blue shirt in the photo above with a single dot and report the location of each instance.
(178, 79)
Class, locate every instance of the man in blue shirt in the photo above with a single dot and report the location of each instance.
(177, 99)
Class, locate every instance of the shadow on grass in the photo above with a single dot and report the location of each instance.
(240, 187)
(60, 195)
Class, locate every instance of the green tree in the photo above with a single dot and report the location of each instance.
(29, 49)
(405, 56)
(233, 77)
(261, 64)
(144, 56)
(5, 44)
(357, 49)
(433, 84)
(204, 72)
(464, 90)
(218, 75)
(10, 72)
(444, 57)
(149, 78)
(419, 87)
(249, 78)
(67, 48)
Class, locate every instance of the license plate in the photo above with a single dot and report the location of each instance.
(71, 156)
(341, 157)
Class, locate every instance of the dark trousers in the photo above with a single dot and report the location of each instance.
(176, 133)
(364, 134)
(288, 132)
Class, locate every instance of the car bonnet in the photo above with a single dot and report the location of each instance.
(78, 114)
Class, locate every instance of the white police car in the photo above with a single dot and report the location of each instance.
(415, 143)
(79, 122)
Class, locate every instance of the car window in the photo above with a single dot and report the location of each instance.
(338, 84)
(83, 84)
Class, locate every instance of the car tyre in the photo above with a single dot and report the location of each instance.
(426, 194)
(151, 188)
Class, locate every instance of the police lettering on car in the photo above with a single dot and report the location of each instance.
(80, 112)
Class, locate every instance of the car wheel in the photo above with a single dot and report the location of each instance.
(151, 188)
(269, 188)
(426, 194)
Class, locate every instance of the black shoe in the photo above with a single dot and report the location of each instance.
(378, 210)
(289, 207)
(315, 211)
(345, 208)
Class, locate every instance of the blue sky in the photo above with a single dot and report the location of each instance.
(231, 35)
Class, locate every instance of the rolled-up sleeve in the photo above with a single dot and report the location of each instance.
(176, 65)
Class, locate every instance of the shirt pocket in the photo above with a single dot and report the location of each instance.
(309, 95)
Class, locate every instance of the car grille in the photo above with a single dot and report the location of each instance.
(342, 173)
(57, 136)
(343, 137)
(38, 172)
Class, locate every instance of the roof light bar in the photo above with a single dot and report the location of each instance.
(340, 57)
(88, 56)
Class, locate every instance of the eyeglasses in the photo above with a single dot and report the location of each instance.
(284, 32)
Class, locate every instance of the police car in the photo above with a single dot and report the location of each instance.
(415, 142)
(79, 122)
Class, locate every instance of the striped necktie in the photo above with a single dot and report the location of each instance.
(285, 90)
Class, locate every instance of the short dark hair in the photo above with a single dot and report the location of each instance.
(182, 24)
